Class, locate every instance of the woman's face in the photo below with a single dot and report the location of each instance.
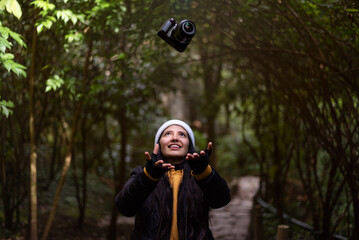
(174, 142)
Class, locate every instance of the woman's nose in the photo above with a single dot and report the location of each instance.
(174, 137)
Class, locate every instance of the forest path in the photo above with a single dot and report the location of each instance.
(232, 222)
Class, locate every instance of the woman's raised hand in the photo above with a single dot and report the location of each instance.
(199, 162)
(154, 166)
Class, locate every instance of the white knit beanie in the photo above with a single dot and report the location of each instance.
(175, 122)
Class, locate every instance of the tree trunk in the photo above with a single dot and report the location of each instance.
(5, 195)
(353, 186)
(33, 167)
(55, 146)
(12, 179)
(120, 177)
(81, 189)
(211, 81)
(355, 234)
(211, 133)
(63, 174)
(67, 162)
(84, 178)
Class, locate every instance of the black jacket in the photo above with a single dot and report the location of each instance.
(138, 197)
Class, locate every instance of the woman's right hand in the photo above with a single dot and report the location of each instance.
(154, 166)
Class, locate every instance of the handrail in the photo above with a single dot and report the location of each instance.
(293, 220)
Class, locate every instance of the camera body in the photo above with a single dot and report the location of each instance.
(177, 35)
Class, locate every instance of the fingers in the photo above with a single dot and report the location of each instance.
(155, 151)
(168, 166)
(159, 163)
(192, 156)
(201, 153)
(210, 146)
(148, 156)
(163, 165)
(156, 148)
(209, 149)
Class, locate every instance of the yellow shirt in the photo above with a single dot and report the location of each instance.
(175, 179)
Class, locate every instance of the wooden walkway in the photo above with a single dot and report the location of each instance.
(232, 222)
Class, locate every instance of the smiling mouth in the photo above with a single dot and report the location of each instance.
(174, 146)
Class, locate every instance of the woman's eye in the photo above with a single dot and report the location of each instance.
(182, 134)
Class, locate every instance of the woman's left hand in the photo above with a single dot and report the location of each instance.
(199, 162)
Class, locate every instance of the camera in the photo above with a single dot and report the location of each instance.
(177, 35)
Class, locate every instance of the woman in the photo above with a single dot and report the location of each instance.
(172, 194)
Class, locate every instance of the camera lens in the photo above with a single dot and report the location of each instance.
(184, 31)
(188, 27)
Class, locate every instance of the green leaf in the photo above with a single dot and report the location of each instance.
(39, 28)
(13, 7)
(96, 88)
(47, 24)
(122, 56)
(5, 107)
(352, 10)
(2, 4)
(4, 31)
(5, 111)
(9, 104)
(48, 88)
(54, 83)
(74, 36)
(78, 96)
(18, 38)
(4, 44)
(6, 56)
(66, 15)
(44, 5)
(63, 14)
(17, 68)
(8, 65)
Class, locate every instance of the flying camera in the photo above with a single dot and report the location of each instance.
(177, 35)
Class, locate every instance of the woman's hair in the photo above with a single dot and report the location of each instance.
(192, 214)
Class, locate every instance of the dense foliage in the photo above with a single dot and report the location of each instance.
(85, 83)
